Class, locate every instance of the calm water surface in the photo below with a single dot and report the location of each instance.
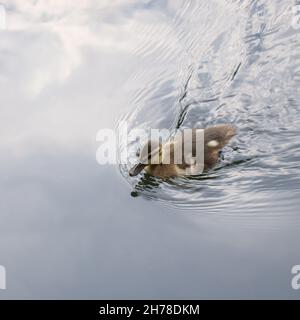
(70, 227)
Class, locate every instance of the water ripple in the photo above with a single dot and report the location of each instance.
(199, 68)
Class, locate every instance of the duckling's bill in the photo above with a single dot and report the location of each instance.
(136, 169)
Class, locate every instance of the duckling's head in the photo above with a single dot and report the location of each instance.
(151, 154)
(160, 160)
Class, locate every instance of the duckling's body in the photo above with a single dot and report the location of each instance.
(215, 138)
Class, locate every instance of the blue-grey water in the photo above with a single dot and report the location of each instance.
(70, 227)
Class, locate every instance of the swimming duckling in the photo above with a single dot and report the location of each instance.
(215, 138)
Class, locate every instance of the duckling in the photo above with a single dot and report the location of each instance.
(215, 138)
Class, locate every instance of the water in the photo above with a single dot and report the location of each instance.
(70, 227)
(244, 71)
